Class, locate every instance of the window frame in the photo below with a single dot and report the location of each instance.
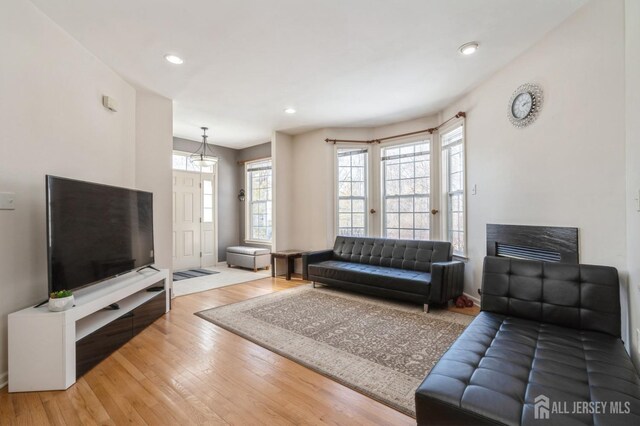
(367, 187)
(248, 236)
(383, 190)
(445, 185)
(186, 156)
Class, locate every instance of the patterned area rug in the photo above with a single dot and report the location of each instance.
(380, 348)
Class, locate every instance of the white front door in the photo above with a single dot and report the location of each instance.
(187, 214)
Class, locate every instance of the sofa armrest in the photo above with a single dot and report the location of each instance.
(447, 281)
(314, 257)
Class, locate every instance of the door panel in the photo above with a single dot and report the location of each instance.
(188, 248)
(187, 208)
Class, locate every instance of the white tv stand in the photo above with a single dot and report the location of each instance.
(43, 344)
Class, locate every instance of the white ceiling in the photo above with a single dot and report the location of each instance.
(338, 62)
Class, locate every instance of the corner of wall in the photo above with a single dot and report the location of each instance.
(154, 146)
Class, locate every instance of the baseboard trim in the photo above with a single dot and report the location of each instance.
(4, 379)
(476, 301)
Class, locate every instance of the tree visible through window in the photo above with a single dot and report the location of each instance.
(453, 187)
(406, 191)
(352, 192)
(259, 201)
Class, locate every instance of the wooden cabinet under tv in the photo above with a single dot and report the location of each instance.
(50, 350)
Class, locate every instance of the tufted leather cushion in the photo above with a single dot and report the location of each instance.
(378, 276)
(500, 364)
(585, 297)
(400, 254)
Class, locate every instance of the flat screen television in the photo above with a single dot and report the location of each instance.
(95, 232)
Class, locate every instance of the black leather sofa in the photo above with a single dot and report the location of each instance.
(547, 341)
(415, 271)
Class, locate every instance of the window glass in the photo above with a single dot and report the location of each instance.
(406, 190)
(352, 191)
(453, 187)
(182, 162)
(259, 200)
(179, 162)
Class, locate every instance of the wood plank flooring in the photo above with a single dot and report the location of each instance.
(184, 370)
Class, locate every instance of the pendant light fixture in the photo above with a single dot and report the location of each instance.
(203, 157)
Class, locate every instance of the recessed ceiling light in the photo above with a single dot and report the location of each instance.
(290, 110)
(468, 48)
(177, 60)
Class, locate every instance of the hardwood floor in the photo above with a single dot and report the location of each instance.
(185, 370)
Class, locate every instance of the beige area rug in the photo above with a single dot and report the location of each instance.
(380, 348)
(226, 276)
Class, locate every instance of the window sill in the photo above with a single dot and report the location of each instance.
(460, 257)
(264, 243)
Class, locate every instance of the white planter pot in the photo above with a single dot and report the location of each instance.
(62, 304)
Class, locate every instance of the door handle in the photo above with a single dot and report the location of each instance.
(372, 211)
(434, 211)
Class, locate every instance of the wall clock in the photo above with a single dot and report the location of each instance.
(525, 104)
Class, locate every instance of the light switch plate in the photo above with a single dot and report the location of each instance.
(7, 201)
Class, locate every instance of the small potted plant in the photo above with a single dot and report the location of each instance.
(60, 300)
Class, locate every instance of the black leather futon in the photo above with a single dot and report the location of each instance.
(411, 270)
(545, 350)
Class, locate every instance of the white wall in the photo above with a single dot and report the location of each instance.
(51, 122)
(632, 101)
(312, 227)
(154, 145)
(566, 169)
(283, 205)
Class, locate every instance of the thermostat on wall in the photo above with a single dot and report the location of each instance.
(7, 201)
(109, 103)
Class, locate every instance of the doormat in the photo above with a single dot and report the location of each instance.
(192, 273)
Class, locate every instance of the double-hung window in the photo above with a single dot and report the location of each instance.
(259, 201)
(453, 187)
(419, 189)
(352, 191)
(406, 190)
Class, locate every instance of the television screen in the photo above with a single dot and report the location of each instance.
(95, 232)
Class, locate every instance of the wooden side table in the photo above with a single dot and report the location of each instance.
(289, 256)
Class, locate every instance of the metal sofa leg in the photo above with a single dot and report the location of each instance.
(313, 283)
(426, 307)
